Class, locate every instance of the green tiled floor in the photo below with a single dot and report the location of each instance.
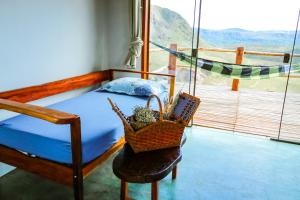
(215, 165)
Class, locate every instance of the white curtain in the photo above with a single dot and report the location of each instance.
(136, 42)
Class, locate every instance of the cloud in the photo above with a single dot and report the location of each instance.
(246, 14)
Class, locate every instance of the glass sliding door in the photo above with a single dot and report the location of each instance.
(232, 33)
(171, 27)
(229, 39)
(290, 125)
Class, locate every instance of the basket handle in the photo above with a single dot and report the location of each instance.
(115, 108)
(159, 105)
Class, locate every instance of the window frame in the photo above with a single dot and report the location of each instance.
(146, 6)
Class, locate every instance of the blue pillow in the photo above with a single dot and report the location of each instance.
(135, 86)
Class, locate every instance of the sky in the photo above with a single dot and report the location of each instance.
(246, 14)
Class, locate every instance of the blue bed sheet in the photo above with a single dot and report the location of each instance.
(100, 128)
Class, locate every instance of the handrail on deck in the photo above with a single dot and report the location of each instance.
(239, 51)
(258, 53)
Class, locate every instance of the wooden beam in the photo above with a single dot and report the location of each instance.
(48, 89)
(145, 37)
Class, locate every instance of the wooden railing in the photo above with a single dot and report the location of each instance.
(239, 52)
(228, 51)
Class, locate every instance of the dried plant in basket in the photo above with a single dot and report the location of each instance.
(142, 116)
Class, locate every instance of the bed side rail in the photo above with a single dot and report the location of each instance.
(52, 88)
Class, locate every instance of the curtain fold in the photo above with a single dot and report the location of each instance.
(136, 42)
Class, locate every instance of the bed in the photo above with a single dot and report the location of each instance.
(58, 145)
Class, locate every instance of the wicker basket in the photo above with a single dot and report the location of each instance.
(158, 135)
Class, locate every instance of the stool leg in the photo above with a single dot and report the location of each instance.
(174, 173)
(154, 190)
(124, 190)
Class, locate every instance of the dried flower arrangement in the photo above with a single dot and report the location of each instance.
(142, 116)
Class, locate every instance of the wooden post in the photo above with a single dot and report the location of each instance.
(238, 60)
(286, 58)
(172, 69)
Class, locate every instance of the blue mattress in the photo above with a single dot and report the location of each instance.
(100, 128)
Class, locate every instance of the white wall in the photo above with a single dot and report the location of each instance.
(118, 34)
(115, 44)
(47, 40)
(118, 30)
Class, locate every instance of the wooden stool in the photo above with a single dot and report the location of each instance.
(145, 167)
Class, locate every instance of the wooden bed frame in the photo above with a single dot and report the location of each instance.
(73, 174)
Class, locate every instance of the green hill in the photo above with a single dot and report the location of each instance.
(169, 27)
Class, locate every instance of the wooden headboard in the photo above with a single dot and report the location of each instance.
(36, 92)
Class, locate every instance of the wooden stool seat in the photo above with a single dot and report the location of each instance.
(145, 167)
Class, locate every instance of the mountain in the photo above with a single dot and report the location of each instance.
(168, 27)
(251, 40)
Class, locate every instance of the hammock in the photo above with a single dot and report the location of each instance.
(233, 70)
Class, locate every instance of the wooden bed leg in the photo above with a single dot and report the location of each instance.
(78, 187)
(77, 159)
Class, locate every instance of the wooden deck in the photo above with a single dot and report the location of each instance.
(249, 111)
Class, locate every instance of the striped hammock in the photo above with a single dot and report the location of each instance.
(233, 70)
